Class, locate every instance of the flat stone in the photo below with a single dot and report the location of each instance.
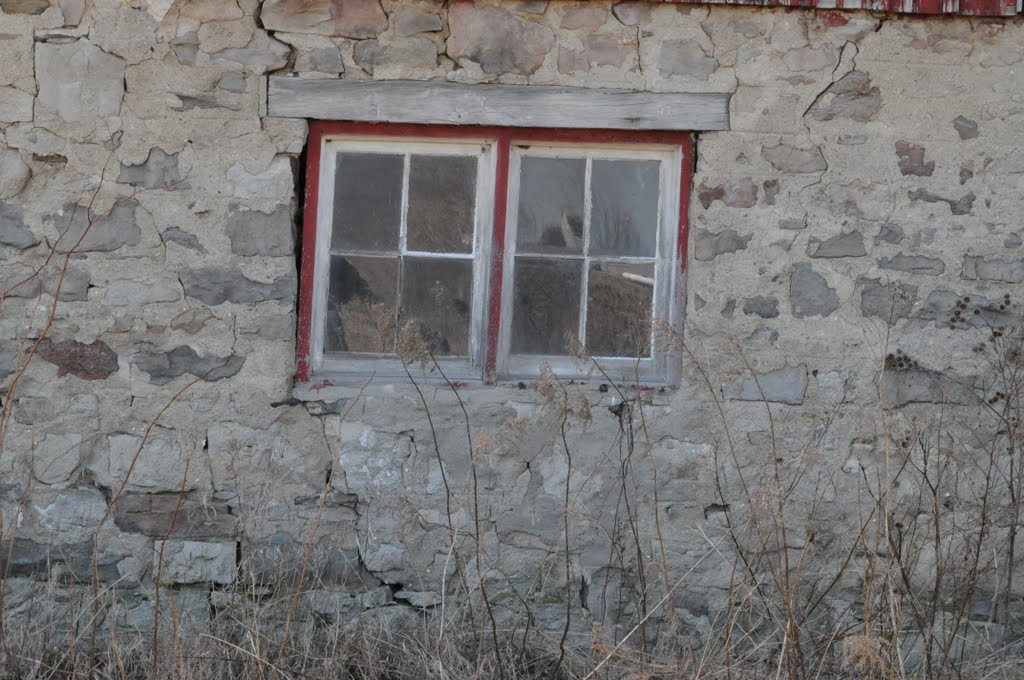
(320, 60)
(186, 47)
(498, 40)
(707, 246)
(889, 233)
(163, 515)
(793, 223)
(216, 285)
(14, 173)
(941, 307)
(192, 321)
(921, 386)
(914, 264)
(887, 302)
(195, 561)
(66, 563)
(1006, 271)
(263, 53)
(737, 193)
(24, 6)
(911, 160)
(163, 367)
(852, 97)
(605, 49)
(345, 18)
(810, 294)
(961, 206)
(182, 238)
(259, 185)
(788, 159)
(78, 81)
(810, 58)
(137, 294)
(210, 10)
(158, 171)
(786, 385)
(255, 233)
(413, 20)
(586, 17)
(529, 6)
(415, 52)
(105, 233)
(850, 244)
(13, 231)
(15, 105)
(236, 82)
(762, 306)
(966, 128)
(92, 361)
(74, 284)
(632, 13)
(685, 58)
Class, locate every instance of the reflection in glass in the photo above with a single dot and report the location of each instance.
(619, 298)
(361, 304)
(437, 295)
(546, 305)
(367, 201)
(442, 194)
(550, 205)
(624, 209)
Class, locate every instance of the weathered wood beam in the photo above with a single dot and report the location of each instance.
(433, 102)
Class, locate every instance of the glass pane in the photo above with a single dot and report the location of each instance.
(619, 298)
(624, 209)
(437, 294)
(442, 194)
(367, 201)
(546, 305)
(551, 205)
(361, 304)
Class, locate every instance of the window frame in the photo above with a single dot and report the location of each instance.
(492, 246)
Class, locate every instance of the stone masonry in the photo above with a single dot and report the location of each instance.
(149, 210)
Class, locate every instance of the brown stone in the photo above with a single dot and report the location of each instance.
(788, 159)
(24, 6)
(741, 193)
(912, 160)
(591, 18)
(632, 13)
(345, 18)
(497, 40)
(93, 361)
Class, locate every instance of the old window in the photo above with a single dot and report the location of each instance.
(506, 247)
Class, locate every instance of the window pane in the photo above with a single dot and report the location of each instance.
(361, 304)
(437, 294)
(442, 194)
(551, 205)
(624, 209)
(619, 297)
(367, 201)
(546, 305)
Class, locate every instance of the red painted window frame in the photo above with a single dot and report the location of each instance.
(503, 137)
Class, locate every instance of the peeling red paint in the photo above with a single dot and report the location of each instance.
(979, 8)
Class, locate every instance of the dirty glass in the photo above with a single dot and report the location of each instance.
(550, 205)
(619, 298)
(362, 304)
(546, 304)
(442, 196)
(367, 201)
(437, 295)
(624, 208)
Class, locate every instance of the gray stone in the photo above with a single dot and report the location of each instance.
(413, 20)
(15, 105)
(83, 230)
(321, 60)
(914, 264)
(887, 302)
(631, 13)
(1013, 241)
(79, 81)
(707, 246)
(280, 557)
(66, 563)
(589, 17)
(13, 231)
(24, 6)
(889, 233)
(793, 223)
(498, 40)
(14, 173)
(216, 285)
(788, 159)
(852, 97)
(195, 561)
(529, 6)
(8, 363)
(263, 53)
(182, 238)
(810, 294)
(74, 284)
(850, 244)
(419, 599)
(137, 294)
(810, 58)
(965, 127)
(192, 320)
(961, 206)
(918, 385)
(762, 306)
(256, 233)
(163, 367)
(911, 160)
(976, 311)
(411, 52)
(345, 18)
(786, 385)
(163, 515)
(236, 82)
(685, 58)
(1006, 271)
(186, 48)
(158, 171)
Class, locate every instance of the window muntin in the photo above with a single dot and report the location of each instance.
(609, 275)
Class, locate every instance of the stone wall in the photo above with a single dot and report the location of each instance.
(871, 181)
